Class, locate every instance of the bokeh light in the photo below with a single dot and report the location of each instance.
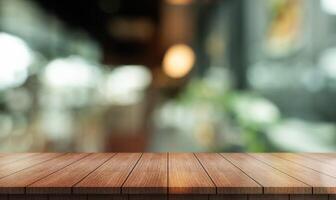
(178, 61)
(16, 57)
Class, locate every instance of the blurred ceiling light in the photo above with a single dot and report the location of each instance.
(179, 2)
(125, 84)
(15, 59)
(71, 72)
(178, 61)
(329, 6)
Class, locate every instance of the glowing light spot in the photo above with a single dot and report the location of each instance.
(15, 60)
(69, 72)
(329, 6)
(178, 61)
(126, 84)
(179, 2)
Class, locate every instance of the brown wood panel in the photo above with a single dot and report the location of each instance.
(150, 175)
(67, 197)
(107, 197)
(228, 197)
(273, 181)
(3, 197)
(309, 162)
(147, 197)
(16, 183)
(9, 158)
(188, 197)
(329, 158)
(28, 197)
(228, 178)
(187, 176)
(322, 184)
(308, 197)
(332, 197)
(268, 197)
(61, 181)
(8, 169)
(109, 177)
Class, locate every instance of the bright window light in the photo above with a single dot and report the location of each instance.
(329, 6)
(15, 60)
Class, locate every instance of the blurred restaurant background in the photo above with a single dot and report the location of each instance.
(168, 75)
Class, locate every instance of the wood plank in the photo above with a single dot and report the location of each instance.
(62, 181)
(147, 197)
(228, 197)
(150, 176)
(27, 197)
(308, 197)
(9, 158)
(187, 176)
(16, 183)
(268, 197)
(67, 197)
(322, 184)
(322, 157)
(309, 162)
(188, 197)
(107, 197)
(228, 178)
(109, 177)
(272, 180)
(11, 168)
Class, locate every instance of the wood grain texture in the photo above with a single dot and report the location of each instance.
(268, 197)
(67, 197)
(109, 177)
(107, 197)
(9, 158)
(322, 157)
(187, 176)
(308, 197)
(322, 184)
(227, 178)
(228, 197)
(28, 197)
(272, 180)
(11, 185)
(11, 168)
(162, 176)
(61, 182)
(188, 197)
(148, 197)
(150, 175)
(309, 162)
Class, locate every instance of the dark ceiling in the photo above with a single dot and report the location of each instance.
(94, 16)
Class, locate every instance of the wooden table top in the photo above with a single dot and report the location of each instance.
(167, 173)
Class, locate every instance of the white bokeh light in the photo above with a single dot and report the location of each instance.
(71, 72)
(329, 6)
(15, 60)
(125, 84)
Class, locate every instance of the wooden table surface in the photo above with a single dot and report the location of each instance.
(177, 176)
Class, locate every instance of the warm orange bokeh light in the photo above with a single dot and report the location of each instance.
(179, 2)
(178, 61)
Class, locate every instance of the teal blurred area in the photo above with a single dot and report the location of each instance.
(168, 75)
